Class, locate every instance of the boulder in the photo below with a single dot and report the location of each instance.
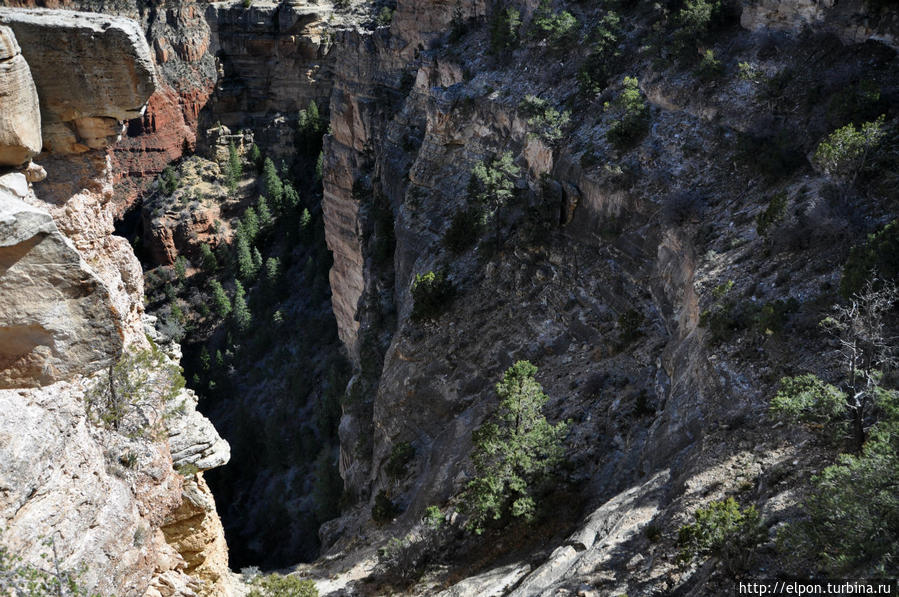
(20, 118)
(56, 316)
(92, 72)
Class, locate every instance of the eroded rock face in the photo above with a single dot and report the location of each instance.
(20, 119)
(92, 72)
(71, 299)
(57, 316)
(99, 496)
(854, 21)
(274, 59)
(196, 533)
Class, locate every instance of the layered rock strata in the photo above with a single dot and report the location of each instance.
(20, 119)
(71, 302)
(92, 72)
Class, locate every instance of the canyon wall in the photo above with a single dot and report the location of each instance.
(658, 420)
(72, 304)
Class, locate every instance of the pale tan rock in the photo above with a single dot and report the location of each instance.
(56, 316)
(35, 172)
(193, 439)
(195, 531)
(64, 478)
(91, 71)
(20, 118)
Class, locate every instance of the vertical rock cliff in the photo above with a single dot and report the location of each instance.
(71, 295)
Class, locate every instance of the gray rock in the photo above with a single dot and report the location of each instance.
(56, 317)
(193, 439)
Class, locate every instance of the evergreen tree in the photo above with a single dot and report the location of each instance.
(205, 359)
(272, 269)
(310, 128)
(245, 268)
(274, 189)
(220, 301)
(513, 451)
(493, 184)
(255, 157)
(251, 224)
(319, 166)
(305, 222)
(180, 268)
(219, 359)
(291, 197)
(262, 210)
(242, 315)
(207, 257)
(235, 167)
(257, 259)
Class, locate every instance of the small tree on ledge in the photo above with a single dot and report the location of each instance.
(515, 450)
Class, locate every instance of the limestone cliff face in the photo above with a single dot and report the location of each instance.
(657, 419)
(71, 304)
(178, 37)
(58, 46)
(273, 59)
(20, 118)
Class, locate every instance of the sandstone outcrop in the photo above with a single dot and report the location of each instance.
(20, 119)
(57, 316)
(100, 497)
(92, 72)
(71, 300)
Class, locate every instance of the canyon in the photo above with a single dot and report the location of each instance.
(604, 272)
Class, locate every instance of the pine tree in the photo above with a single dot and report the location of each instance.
(180, 268)
(493, 184)
(255, 157)
(250, 224)
(245, 268)
(205, 359)
(242, 315)
(310, 128)
(319, 166)
(257, 259)
(513, 451)
(235, 167)
(220, 301)
(207, 257)
(291, 197)
(305, 223)
(274, 189)
(265, 215)
(272, 269)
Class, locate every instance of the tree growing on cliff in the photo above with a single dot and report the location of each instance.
(514, 451)
(864, 352)
(19, 579)
(493, 185)
(132, 397)
(844, 153)
(241, 313)
(207, 258)
(271, 182)
(234, 168)
(310, 129)
(246, 269)
(220, 301)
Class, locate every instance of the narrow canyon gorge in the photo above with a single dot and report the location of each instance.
(269, 269)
